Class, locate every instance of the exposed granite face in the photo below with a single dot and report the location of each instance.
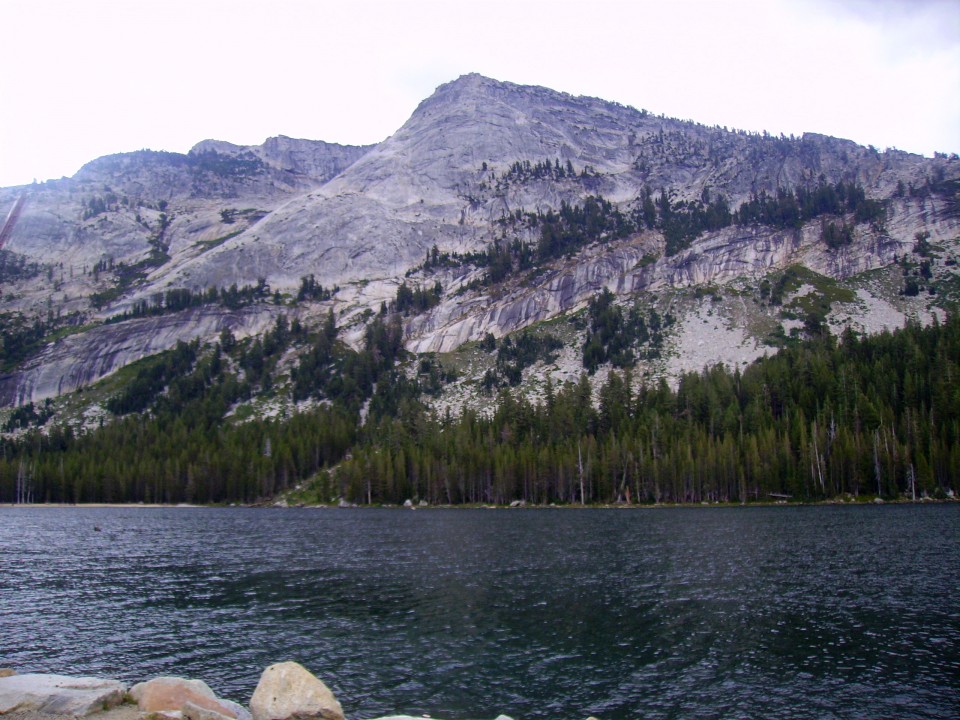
(714, 258)
(426, 184)
(78, 360)
(111, 207)
(361, 217)
(305, 163)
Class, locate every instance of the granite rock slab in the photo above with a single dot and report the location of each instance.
(59, 694)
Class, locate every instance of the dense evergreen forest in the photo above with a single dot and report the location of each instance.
(870, 416)
(877, 416)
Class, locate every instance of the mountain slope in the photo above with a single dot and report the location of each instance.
(425, 185)
(480, 164)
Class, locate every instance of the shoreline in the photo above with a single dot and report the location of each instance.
(281, 505)
(286, 691)
(147, 506)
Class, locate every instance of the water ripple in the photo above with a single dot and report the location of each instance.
(686, 613)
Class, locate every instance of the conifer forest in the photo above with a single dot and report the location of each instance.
(822, 419)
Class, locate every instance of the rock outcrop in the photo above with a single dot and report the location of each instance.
(58, 694)
(78, 360)
(624, 268)
(305, 163)
(288, 691)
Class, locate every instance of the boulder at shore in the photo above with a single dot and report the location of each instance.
(58, 694)
(288, 690)
(193, 699)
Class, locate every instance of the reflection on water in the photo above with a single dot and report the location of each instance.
(658, 613)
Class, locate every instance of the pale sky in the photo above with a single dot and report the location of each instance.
(85, 78)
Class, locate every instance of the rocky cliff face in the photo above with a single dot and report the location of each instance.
(110, 209)
(734, 253)
(426, 185)
(78, 360)
(129, 227)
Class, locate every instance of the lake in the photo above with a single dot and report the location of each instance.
(800, 612)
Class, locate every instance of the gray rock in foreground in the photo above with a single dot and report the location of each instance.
(59, 694)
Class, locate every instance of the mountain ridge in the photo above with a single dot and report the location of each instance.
(471, 157)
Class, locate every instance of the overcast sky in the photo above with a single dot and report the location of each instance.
(81, 79)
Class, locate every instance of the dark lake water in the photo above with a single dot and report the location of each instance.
(807, 612)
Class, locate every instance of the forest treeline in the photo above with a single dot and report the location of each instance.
(864, 416)
(176, 437)
(876, 415)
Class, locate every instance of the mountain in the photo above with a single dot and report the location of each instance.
(519, 204)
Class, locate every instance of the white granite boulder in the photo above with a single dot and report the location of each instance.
(288, 690)
(59, 694)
